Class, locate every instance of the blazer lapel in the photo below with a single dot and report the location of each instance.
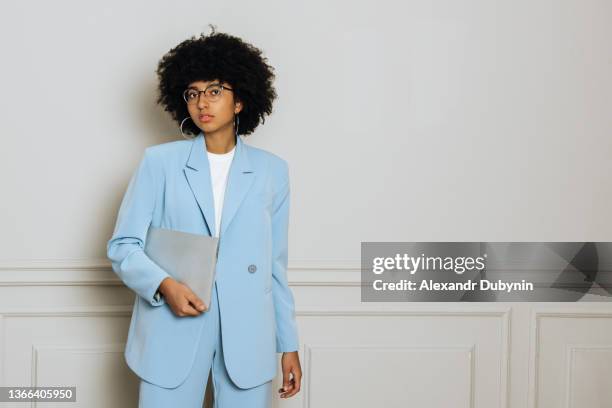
(239, 181)
(197, 171)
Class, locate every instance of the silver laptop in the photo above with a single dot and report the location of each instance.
(189, 258)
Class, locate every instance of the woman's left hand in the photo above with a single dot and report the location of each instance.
(290, 363)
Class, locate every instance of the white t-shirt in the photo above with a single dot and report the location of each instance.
(219, 170)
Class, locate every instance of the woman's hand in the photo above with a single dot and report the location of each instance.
(181, 298)
(290, 363)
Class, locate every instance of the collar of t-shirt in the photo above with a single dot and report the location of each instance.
(222, 156)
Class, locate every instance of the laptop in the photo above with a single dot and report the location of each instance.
(189, 258)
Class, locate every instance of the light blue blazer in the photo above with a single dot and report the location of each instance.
(171, 188)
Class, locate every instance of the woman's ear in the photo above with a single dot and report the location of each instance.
(238, 107)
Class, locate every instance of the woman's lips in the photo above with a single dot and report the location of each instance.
(205, 118)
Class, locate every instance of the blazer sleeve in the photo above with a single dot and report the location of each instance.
(284, 305)
(125, 249)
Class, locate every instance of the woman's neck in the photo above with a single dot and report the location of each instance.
(219, 144)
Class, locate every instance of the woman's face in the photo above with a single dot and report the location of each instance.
(214, 116)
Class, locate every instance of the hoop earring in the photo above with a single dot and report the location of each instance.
(181, 127)
(237, 124)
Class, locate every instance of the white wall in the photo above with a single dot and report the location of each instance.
(402, 121)
(407, 121)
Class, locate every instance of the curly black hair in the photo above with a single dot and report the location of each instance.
(222, 57)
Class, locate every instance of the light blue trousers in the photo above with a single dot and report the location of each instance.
(190, 393)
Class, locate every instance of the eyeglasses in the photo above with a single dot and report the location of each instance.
(212, 93)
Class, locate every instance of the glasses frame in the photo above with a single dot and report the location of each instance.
(223, 87)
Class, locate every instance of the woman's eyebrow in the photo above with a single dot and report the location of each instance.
(212, 83)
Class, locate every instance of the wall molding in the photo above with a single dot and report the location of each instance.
(115, 348)
(443, 310)
(104, 264)
(308, 348)
(68, 311)
(534, 343)
(87, 272)
(571, 350)
(503, 313)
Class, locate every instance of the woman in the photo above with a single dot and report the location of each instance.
(216, 87)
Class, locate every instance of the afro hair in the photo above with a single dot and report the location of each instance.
(222, 57)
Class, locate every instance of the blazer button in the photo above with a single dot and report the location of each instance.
(252, 268)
